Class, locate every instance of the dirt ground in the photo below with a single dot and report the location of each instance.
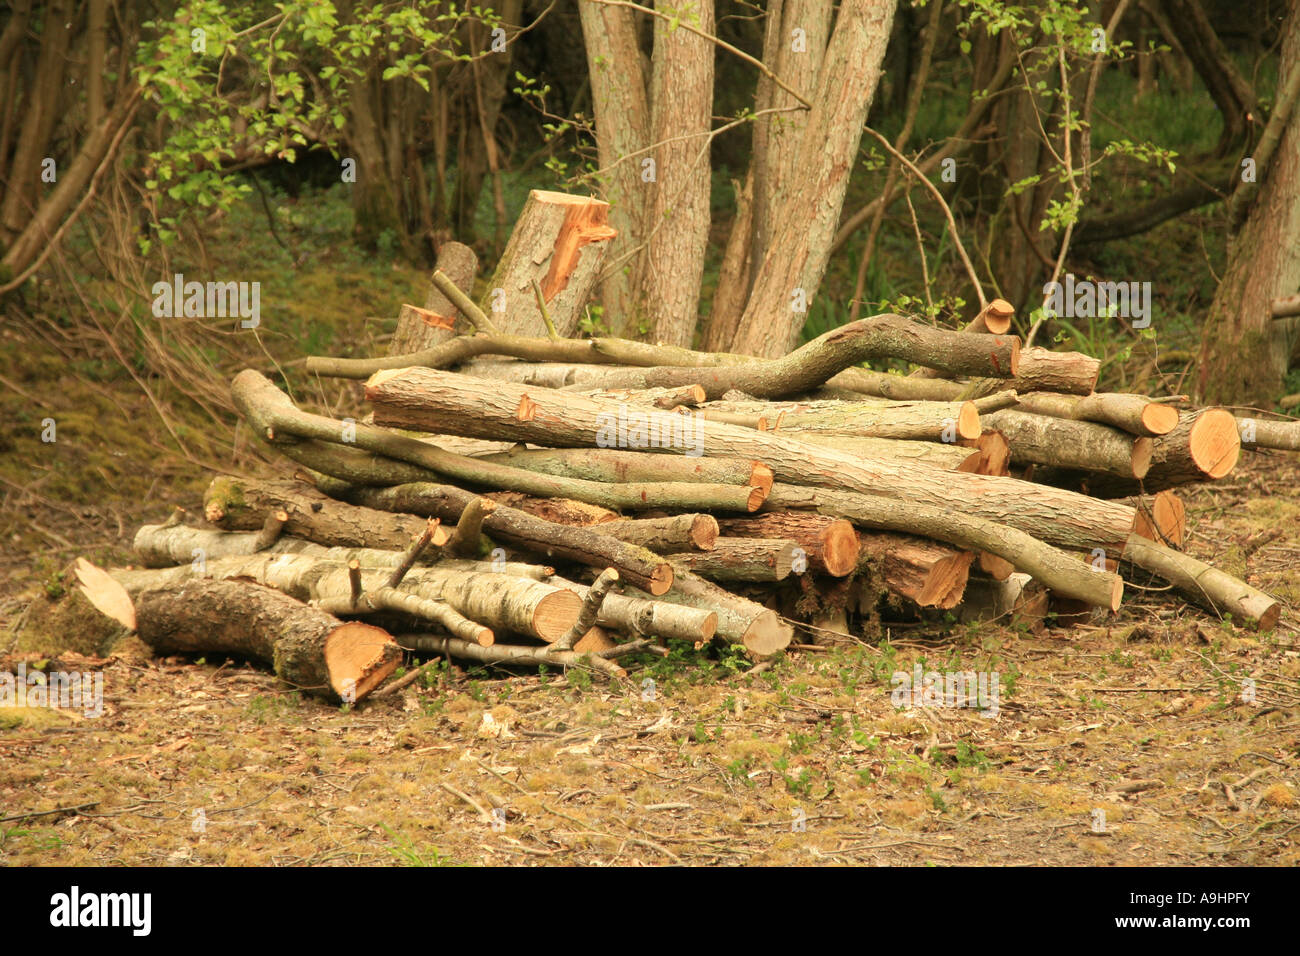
(1129, 741)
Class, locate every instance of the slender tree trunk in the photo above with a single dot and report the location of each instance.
(1244, 353)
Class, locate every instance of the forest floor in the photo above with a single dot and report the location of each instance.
(1123, 742)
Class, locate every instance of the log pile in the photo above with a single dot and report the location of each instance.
(521, 496)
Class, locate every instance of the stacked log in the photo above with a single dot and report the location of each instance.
(522, 497)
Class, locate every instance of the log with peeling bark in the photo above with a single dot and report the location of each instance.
(313, 650)
(278, 420)
(558, 510)
(1135, 414)
(925, 572)
(916, 421)
(1204, 447)
(684, 532)
(417, 397)
(741, 559)
(1061, 442)
(638, 566)
(439, 320)
(829, 545)
(497, 601)
(559, 242)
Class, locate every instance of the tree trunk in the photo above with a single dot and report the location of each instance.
(914, 421)
(681, 95)
(559, 242)
(803, 226)
(1135, 414)
(741, 559)
(685, 532)
(1244, 353)
(1040, 440)
(416, 332)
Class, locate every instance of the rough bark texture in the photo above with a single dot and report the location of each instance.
(620, 100)
(497, 600)
(415, 331)
(685, 532)
(1207, 586)
(740, 621)
(559, 242)
(803, 226)
(1244, 353)
(636, 615)
(925, 572)
(1042, 370)
(308, 648)
(914, 421)
(681, 95)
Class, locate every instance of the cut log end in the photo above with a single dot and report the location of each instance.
(998, 315)
(661, 579)
(968, 421)
(704, 532)
(999, 569)
(757, 496)
(840, 548)
(767, 635)
(555, 614)
(1215, 443)
(359, 658)
(1159, 419)
(761, 476)
(1015, 358)
(1143, 449)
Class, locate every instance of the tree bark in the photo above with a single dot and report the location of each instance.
(1135, 414)
(681, 98)
(925, 572)
(684, 532)
(740, 621)
(1041, 440)
(639, 616)
(1204, 585)
(915, 421)
(1244, 353)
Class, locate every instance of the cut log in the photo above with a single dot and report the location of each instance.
(508, 653)
(828, 545)
(614, 465)
(1018, 599)
(559, 241)
(1161, 519)
(637, 566)
(310, 649)
(760, 630)
(441, 320)
(1060, 442)
(687, 532)
(559, 510)
(499, 601)
(417, 397)
(1259, 433)
(919, 421)
(1204, 447)
(1058, 570)
(925, 572)
(1209, 587)
(1135, 414)
(741, 559)
(1042, 370)
(591, 602)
